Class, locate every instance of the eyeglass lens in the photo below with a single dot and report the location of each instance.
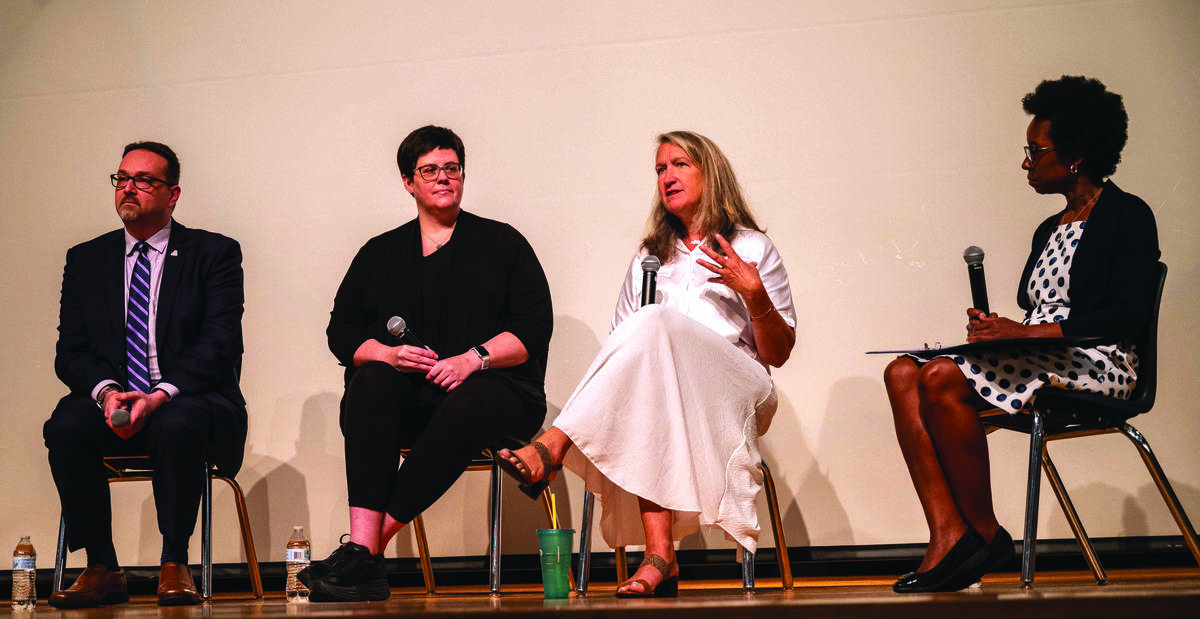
(431, 172)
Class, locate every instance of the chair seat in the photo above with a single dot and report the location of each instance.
(1064, 405)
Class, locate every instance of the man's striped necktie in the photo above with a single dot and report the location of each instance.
(137, 322)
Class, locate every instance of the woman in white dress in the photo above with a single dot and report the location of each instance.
(665, 423)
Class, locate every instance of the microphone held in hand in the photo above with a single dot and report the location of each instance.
(650, 266)
(974, 257)
(397, 327)
(120, 417)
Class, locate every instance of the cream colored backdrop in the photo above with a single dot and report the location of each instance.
(876, 140)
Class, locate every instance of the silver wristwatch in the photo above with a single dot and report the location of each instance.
(485, 358)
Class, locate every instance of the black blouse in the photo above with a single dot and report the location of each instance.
(488, 281)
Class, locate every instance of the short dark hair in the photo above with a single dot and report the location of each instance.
(423, 140)
(1086, 121)
(162, 150)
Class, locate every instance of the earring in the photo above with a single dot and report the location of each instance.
(1074, 169)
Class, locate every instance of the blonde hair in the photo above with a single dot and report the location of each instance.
(721, 209)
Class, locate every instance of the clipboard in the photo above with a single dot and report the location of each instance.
(1083, 341)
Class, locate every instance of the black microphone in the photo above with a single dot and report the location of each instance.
(397, 327)
(120, 417)
(650, 266)
(974, 257)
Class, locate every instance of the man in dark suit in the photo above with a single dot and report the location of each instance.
(150, 345)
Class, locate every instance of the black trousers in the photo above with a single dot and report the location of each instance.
(387, 410)
(178, 436)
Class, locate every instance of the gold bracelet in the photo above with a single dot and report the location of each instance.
(762, 315)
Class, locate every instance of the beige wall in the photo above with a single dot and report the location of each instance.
(876, 141)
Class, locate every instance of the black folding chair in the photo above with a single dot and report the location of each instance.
(1058, 414)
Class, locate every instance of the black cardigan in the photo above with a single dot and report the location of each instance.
(494, 283)
(1113, 272)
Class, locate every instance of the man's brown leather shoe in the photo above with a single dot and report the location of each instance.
(175, 586)
(96, 586)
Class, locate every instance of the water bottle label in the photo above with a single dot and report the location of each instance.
(301, 555)
(24, 563)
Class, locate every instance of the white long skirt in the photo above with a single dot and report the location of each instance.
(670, 412)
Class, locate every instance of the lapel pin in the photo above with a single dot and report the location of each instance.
(175, 252)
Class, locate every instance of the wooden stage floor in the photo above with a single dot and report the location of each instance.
(1173, 592)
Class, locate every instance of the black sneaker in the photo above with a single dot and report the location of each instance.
(318, 569)
(356, 576)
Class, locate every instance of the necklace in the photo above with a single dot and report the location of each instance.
(1080, 214)
(435, 241)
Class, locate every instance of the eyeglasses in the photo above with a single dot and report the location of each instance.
(145, 183)
(430, 173)
(1032, 153)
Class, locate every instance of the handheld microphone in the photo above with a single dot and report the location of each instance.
(397, 327)
(974, 257)
(120, 417)
(650, 266)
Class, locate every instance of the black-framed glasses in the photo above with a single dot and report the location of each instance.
(1033, 153)
(430, 173)
(145, 183)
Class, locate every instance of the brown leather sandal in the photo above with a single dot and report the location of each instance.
(668, 587)
(531, 487)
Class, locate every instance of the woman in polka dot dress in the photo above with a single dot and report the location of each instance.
(1090, 272)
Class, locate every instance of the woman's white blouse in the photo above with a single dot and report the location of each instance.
(683, 285)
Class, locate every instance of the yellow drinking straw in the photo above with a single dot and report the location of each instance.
(553, 512)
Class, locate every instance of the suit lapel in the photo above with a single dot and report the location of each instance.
(114, 285)
(177, 248)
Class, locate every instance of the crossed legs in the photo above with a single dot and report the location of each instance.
(937, 425)
(656, 520)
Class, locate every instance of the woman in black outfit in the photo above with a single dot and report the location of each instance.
(1091, 272)
(474, 294)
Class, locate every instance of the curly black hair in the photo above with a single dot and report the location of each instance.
(1086, 121)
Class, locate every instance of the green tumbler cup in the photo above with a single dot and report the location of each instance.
(554, 545)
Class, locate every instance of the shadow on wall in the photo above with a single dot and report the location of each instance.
(1134, 518)
(284, 489)
(1141, 514)
(813, 492)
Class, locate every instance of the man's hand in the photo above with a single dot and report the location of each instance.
(140, 406)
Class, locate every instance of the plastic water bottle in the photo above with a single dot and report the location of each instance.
(299, 555)
(24, 576)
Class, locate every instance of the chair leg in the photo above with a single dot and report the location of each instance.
(494, 544)
(547, 502)
(747, 570)
(781, 548)
(60, 556)
(622, 565)
(423, 552)
(206, 536)
(585, 543)
(239, 500)
(1037, 445)
(1064, 501)
(1164, 488)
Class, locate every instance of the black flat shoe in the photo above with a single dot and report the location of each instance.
(968, 552)
(999, 551)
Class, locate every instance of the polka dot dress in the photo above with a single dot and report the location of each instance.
(1007, 378)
